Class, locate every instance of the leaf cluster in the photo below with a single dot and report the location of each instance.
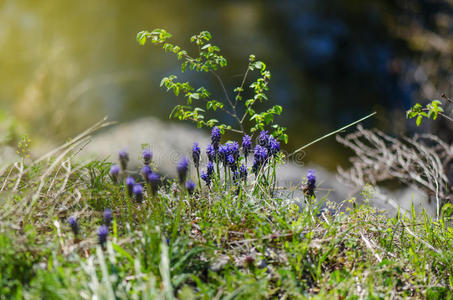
(199, 100)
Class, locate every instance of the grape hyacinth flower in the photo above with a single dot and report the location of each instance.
(196, 152)
(231, 162)
(210, 168)
(137, 190)
(211, 153)
(243, 171)
(215, 137)
(146, 170)
(124, 159)
(246, 145)
(206, 177)
(309, 189)
(234, 149)
(263, 139)
(183, 168)
(190, 186)
(223, 153)
(108, 217)
(154, 181)
(260, 155)
(74, 225)
(103, 231)
(130, 185)
(147, 156)
(274, 146)
(114, 172)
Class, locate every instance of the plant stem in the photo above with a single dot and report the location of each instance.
(331, 133)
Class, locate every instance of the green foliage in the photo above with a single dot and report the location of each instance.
(199, 100)
(430, 111)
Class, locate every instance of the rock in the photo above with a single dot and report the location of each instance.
(168, 142)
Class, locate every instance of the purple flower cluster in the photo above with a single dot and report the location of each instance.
(124, 159)
(108, 216)
(215, 137)
(246, 145)
(207, 176)
(190, 186)
(229, 154)
(183, 168)
(309, 189)
(103, 232)
(261, 155)
(74, 225)
(146, 170)
(154, 181)
(243, 171)
(130, 182)
(196, 152)
(211, 153)
(137, 190)
(114, 173)
(147, 156)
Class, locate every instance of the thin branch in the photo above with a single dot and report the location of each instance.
(446, 117)
(331, 133)
(242, 84)
(234, 115)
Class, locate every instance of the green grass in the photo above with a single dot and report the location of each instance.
(215, 246)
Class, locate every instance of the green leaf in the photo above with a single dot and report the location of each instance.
(123, 253)
(419, 120)
(142, 37)
(277, 109)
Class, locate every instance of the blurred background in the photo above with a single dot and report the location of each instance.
(66, 64)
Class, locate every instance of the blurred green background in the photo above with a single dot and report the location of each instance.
(66, 64)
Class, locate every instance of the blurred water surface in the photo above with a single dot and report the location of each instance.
(66, 64)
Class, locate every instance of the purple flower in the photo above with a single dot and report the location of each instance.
(231, 162)
(246, 145)
(206, 178)
(263, 139)
(234, 149)
(154, 181)
(190, 186)
(256, 167)
(196, 152)
(145, 172)
(274, 146)
(311, 183)
(183, 168)
(147, 156)
(215, 137)
(223, 153)
(243, 171)
(124, 158)
(130, 184)
(114, 172)
(103, 231)
(211, 153)
(108, 217)
(137, 190)
(74, 225)
(260, 154)
(210, 168)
